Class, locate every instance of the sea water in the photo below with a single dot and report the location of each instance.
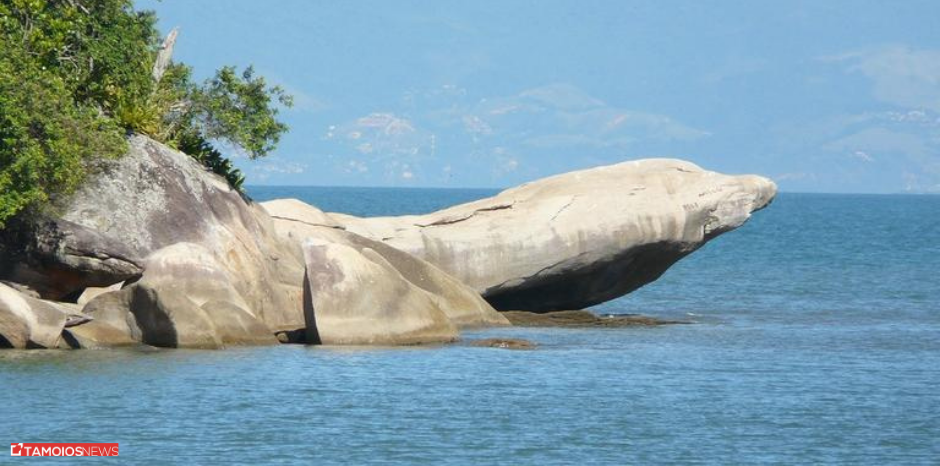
(816, 340)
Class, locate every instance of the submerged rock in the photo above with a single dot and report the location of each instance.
(583, 319)
(577, 239)
(505, 343)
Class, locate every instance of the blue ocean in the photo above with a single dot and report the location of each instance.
(816, 339)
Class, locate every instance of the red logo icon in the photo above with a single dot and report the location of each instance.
(64, 449)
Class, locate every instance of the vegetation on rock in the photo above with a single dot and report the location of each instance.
(77, 75)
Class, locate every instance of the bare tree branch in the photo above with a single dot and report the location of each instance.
(164, 55)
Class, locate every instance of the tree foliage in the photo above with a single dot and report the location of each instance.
(76, 76)
(234, 108)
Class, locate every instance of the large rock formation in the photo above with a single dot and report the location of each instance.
(576, 239)
(151, 198)
(161, 252)
(164, 253)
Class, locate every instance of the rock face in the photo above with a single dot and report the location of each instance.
(359, 291)
(151, 198)
(577, 239)
(464, 307)
(356, 297)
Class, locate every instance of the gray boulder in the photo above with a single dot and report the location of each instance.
(577, 239)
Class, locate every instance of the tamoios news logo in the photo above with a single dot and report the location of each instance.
(63, 449)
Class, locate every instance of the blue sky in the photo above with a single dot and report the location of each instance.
(822, 96)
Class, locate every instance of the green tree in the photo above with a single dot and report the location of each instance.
(237, 109)
(77, 75)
